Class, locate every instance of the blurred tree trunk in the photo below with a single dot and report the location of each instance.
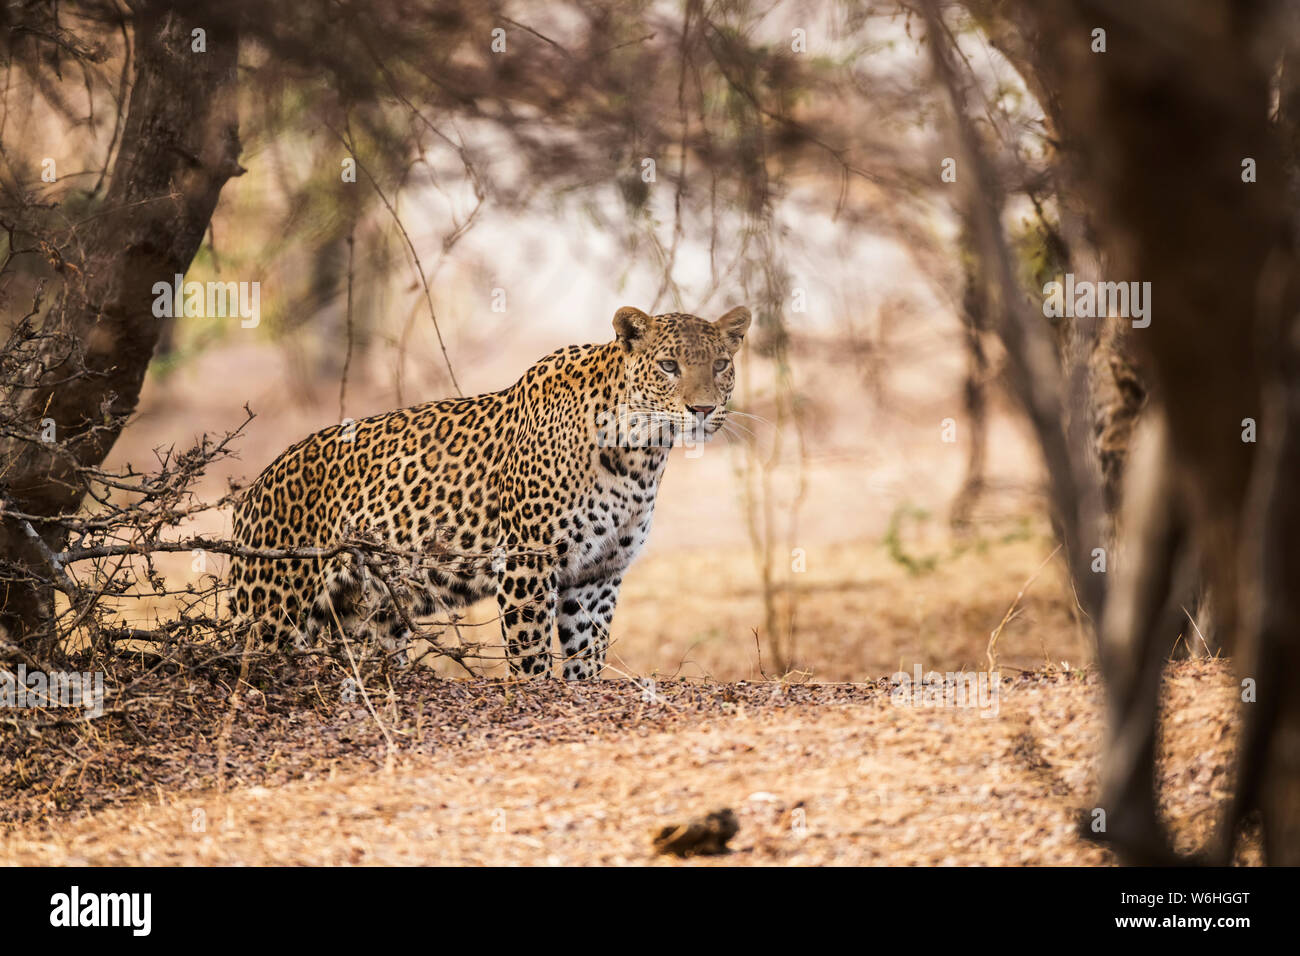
(1116, 382)
(1116, 392)
(179, 146)
(1160, 128)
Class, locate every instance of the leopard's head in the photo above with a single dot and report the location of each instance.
(680, 369)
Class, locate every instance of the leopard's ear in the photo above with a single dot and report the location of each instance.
(733, 326)
(632, 327)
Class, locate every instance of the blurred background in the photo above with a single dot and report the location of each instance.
(438, 188)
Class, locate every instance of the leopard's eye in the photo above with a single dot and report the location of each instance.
(669, 366)
(720, 365)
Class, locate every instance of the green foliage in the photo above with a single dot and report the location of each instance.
(893, 540)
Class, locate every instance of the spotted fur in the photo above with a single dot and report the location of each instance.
(546, 489)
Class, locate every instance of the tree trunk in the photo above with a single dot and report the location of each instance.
(1160, 127)
(180, 144)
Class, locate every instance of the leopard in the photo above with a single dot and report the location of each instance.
(541, 493)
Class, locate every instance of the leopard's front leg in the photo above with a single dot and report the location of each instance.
(582, 625)
(526, 600)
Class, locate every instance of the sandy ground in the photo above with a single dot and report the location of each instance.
(816, 774)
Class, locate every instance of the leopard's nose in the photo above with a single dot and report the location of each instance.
(702, 410)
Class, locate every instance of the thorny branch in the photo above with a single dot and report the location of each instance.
(106, 574)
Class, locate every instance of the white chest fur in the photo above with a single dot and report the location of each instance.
(610, 520)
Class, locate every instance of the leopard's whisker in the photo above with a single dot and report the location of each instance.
(740, 425)
(739, 436)
(727, 425)
(757, 418)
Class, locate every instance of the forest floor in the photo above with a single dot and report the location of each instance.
(819, 766)
(483, 771)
